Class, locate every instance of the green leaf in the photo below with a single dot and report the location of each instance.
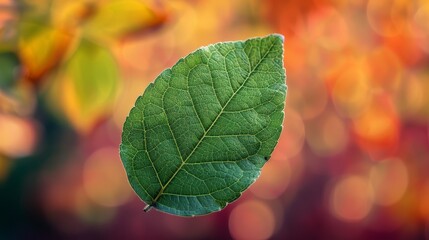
(200, 134)
(9, 69)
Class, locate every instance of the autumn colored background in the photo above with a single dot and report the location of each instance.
(352, 161)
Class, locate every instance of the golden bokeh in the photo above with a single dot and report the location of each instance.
(351, 92)
(377, 127)
(19, 136)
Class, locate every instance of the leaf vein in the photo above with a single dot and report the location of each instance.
(213, 123)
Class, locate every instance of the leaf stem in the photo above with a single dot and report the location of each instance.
(147, 208)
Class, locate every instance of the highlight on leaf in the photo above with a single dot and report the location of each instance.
(201, 132)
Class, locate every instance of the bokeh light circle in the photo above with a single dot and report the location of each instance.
(327, 135)
(292, 137)
(252, 220)
(351, 198)
(329, 27)
(18, 135)
(351, 92)
(389, 179)
(274, 179)
(421, 27)
(410, 97)
(387, 17)
(104, 179)
(377, 127)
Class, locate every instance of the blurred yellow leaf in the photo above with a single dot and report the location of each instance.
(87, 85)
(118, 18)
(83, 86)
(41, 48)
(71, 14)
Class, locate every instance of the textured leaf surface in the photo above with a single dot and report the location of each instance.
(200, 134)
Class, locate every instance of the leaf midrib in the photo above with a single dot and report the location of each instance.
(163, 187)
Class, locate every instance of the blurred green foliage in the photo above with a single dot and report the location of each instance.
(9, 68)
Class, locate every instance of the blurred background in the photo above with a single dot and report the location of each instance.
(352, 161)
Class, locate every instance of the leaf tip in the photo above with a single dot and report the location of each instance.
(278, 36)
